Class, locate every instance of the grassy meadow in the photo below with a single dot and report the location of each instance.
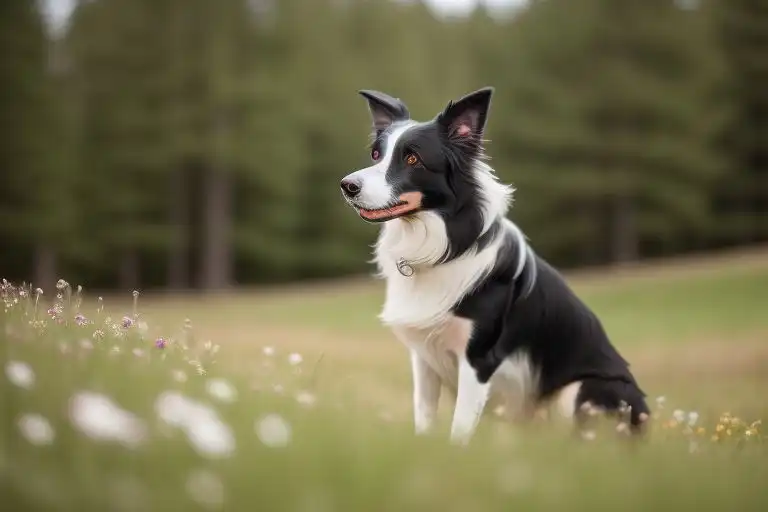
(296, 399)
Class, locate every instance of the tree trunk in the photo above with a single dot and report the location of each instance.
(759, 172)
(129, 270)
(623, 230)
(178, 254)
(216, 258)
(45, 269)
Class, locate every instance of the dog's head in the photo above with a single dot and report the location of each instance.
(419, 166)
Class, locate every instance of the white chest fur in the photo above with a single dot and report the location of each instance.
(425, 298)
(418, 308)
(439, 346)
(442, 346)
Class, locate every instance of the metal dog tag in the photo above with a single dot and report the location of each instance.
(404, 268)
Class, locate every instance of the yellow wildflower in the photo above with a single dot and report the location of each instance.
(701, 431)
(720, 427)
(728, 432)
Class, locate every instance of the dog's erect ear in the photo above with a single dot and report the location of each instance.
(464, 119)
(385, 109)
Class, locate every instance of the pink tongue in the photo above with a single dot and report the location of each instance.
(377, 214)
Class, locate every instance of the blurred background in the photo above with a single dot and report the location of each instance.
(198, 144)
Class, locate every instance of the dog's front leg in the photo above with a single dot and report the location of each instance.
(470, 401)
(426, 394)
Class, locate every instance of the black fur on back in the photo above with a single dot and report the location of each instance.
(540, 315)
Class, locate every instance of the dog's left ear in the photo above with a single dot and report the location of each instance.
(464, 119)
(385, 109)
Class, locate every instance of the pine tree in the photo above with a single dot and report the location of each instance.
(122, 88)
(35, 208)
(609, 126)
(742, 196)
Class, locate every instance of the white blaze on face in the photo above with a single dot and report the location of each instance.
(375, 191)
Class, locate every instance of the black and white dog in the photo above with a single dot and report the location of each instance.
(479, 311)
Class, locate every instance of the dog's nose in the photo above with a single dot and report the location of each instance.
(350, 186)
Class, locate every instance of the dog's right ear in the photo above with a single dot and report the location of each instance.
(385, 109)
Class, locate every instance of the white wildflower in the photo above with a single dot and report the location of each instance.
(20, 374)
(268, 351)
(295, 358)
(138, 352)
(98, 417)
(221, 390)
(179, 376)
(210, 436)
(306, 398)
(206, 432)
(589, 435)
(678, 415)
(273, 431)
(693, 418)
(173, 408)
(36, 429)
(660, 400)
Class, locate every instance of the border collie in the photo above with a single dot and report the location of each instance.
(478, 309)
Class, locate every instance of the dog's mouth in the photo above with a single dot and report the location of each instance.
(407, 203)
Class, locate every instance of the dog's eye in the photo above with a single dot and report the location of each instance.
(411, 159)
(375, 154)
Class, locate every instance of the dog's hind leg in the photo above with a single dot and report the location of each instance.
(612, 397)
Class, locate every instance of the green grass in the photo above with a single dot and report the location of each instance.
(727, 300)
(699, 338)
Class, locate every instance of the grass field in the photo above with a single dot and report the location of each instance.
(308, 405)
